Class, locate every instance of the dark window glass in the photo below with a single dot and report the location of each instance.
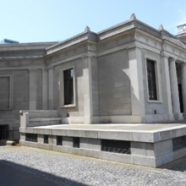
(31, 137)
(45, 138)
(76, 142)
(4, 132)
(68, 76)
(151, 73)
(59, 140)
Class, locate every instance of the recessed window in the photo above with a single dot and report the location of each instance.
(59, 140)
(151, 75)
(68, 82)
(76, 143)
(31, 137)
(45, 138)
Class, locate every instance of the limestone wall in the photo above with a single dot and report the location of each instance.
(114, 84)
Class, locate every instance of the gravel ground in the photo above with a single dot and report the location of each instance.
(65, 169)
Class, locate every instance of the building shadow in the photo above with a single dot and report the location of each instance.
(177, 165)
(13, 174)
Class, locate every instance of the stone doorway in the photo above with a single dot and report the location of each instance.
(4, 130)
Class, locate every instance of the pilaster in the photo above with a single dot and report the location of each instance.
(137, 83)
(32, 89)
(168, 87)
(90, 86)
(50, 88)
(174, 90)
(44, 89)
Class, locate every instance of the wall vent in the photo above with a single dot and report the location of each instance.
(116, 146)
(31, 137)
(59, 140)
(76, 143)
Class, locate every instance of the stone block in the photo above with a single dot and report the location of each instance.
(142, 149)
(92, 144)
(67, 141)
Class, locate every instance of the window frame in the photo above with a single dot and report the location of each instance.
(157, 78)
(61, 87)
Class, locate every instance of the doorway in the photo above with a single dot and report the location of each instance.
(4, 130)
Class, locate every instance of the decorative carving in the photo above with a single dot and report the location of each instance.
(133, 17)
(87, 29)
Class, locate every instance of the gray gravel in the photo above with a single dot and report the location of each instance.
(88, 171)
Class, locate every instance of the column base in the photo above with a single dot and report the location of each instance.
(178, 116)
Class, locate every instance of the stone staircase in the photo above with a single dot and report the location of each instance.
(33, 118)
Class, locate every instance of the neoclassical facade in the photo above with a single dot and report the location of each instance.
(129, 73)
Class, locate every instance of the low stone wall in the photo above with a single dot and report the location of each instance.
(142, 148)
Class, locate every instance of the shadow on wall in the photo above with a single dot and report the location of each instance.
(114, 84)
(19, 175)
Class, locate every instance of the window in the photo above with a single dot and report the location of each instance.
(45, 139)
(59, 140)
(76, 142)
(151, 75)
(68, 81)
(31, 137)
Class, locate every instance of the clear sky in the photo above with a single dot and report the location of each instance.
(56, 20)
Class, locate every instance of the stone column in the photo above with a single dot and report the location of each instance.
(90, 85)
(137, 83)
(174, 90)
(168, 87)
(45, 89)
(184, 85)
(32, 89)
(87, 91)
(50, 88)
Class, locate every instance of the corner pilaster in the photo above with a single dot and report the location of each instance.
(137, 83)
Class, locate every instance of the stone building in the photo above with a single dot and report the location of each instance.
(129, 73)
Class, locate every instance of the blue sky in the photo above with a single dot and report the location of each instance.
(56, 20)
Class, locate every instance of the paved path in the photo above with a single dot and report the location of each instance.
(24, 166)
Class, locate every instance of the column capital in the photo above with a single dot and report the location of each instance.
(172, 59)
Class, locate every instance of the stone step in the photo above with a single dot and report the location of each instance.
(44, 121)
(43, 113)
